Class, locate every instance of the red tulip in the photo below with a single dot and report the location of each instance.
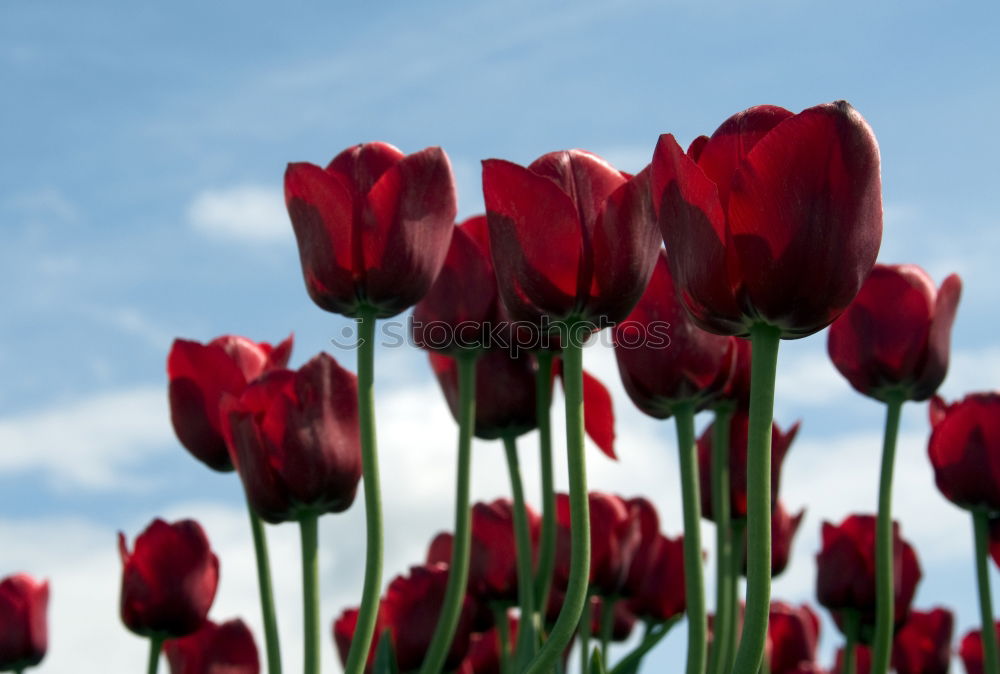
(794, 635)
(410, 612)
(293, 437)
(484, 650)
(505, 397)
(784, 526)
(923, 644)
(24, 633)
(373, 227)
(657, 593)
(896, 334)
(739, 423)
(622, 623)
(862, 660)
(571, 237)
(643, 513)
(201, 374)
(663, 358)
(971, 650)
(776, 218)
(168, 580)
(965, 450)
(845, 578)
(343, 633)
(214, 649)
(614, 541)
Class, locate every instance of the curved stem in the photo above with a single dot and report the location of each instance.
(738, 530)
(884, 587)
(368, 611)
(763, 367)
(458, 570)
(991, 660)
(266, 593)
(309, 528)
(694, 582)
(584, 635)
(547, 542)
(155, 646)
(718, 657)
(579, 575)
(503, 636)
(607, 627)
(522, 536)
(852, 621)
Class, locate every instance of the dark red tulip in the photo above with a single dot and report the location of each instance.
(643, 513)
(215, 648)
(461, 310)
(965, 450)
(663, 358)
(343, 633)
(622, 623)
(845, 578)
(614, 541)
(505, 397)
(896, 334)
(781, 441)
(571, 237)
(484, 650)
(293, 436)
(794, 635)
(169, 579)
(373, 228)
(776, 218)
(923, 644)
(971, 651)
(24, 631)
(410, 612)
(862, 660)
(657, 593)
(784, 526)
(201, 374)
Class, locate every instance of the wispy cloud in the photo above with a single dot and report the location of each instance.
(253, 214)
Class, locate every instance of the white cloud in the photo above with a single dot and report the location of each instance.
(87, 443)
(249, 213)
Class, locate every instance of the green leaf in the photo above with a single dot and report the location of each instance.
(385, 658)
(597, 662)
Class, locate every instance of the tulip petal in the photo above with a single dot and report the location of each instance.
(939, 342)
(360, 166)
(599, 414)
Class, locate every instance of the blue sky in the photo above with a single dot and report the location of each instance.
(143, 148)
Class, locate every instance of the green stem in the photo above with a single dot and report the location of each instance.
(309, 528)
(503, 636)
(738, 530)
(368, 611)
(458, 570)
(579, 575)
(884, 584)
(718, 657)
(547, 542)
(763, 368)
(266, 593)
(525, 583)
(852, 623)
(584, 636)
(991, 661)
(694, 582)
(652, 636)
(155, 646)
(607, 627)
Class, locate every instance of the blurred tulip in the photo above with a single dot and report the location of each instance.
(794, 635)
(226, 648)
(293, 436)
(663, 358)
(862, 660)
(923, 644)
(484, 650)
(784, 526)
(777, 218)
(965, 450)
(622, 623)
(200, 375)
(781, 442)
(344, 627)
(971, 650)
(571, 237)
(896, 334)
(373, 227)
(845, 578)
(169, 579)
(657, 592)
(24, 632)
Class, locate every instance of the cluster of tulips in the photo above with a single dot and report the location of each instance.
(770, 230)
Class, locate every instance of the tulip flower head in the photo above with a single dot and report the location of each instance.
(373, 227)
(971, 650)
(775, 219)
(169, 579)
(794, 635)
(964, 449)
(201, 374)
(896, 334)
(923, 644)
(24, 632)
(227, 647)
